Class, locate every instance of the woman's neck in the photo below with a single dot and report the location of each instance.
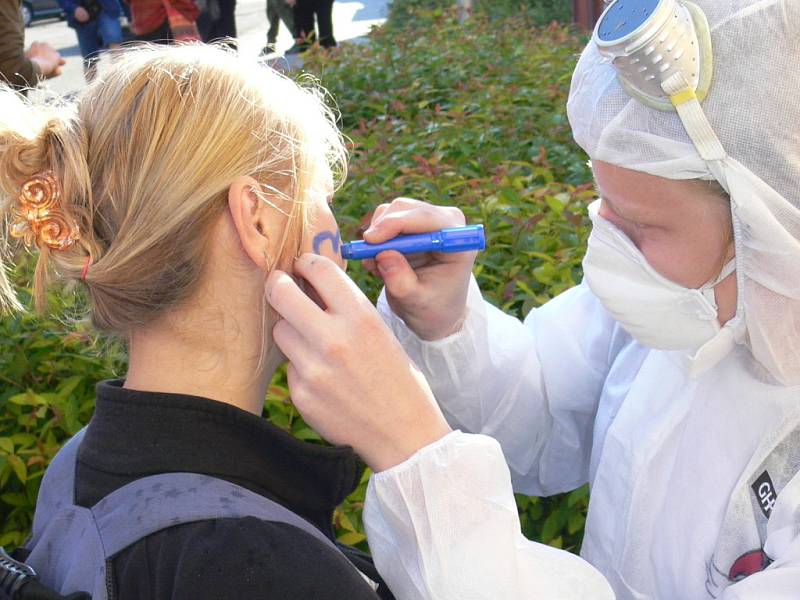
(212, 358)
(213, 344)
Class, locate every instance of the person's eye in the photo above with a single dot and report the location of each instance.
(628, 220)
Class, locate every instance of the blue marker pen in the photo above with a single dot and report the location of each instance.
(455, 239)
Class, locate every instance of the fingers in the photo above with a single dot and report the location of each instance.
(405, 216)
(370, 266)
(286, 297)
(339, 293)
(291, 343)
(379, 212)
(303, 399)
(397, 274)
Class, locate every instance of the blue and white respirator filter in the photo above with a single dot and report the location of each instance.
(649, 41)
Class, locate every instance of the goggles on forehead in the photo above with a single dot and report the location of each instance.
(662, 53)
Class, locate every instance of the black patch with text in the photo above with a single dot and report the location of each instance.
(765, 493)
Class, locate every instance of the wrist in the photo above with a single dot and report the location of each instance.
(37, 69)
(429, 331)
(412, 441)
(40, 66)
(445, 330)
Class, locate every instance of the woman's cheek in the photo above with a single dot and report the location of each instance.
(325, 239)
(677, 260)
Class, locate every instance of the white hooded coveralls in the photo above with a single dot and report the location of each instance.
(695, 491)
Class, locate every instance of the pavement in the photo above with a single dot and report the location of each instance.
(352, 19)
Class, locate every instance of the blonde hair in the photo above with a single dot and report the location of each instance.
(145, 156)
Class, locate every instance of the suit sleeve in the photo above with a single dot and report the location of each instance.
(15, 68)
(533, 386)
(444, 525)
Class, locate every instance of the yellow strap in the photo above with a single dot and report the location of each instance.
(683, 97)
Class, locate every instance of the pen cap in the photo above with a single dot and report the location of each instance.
(459, 239)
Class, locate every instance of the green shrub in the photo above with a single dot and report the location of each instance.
(469, 115)
(533, 12)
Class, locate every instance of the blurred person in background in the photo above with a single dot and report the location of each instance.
(222, 23)
(126, 20)
(305, 35)
(96, 23)
(19, 67)
(209, 14)
(277, 11)
(164, 21)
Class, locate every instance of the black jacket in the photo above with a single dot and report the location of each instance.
(134, 434)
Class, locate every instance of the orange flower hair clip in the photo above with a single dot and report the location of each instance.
(39, 218)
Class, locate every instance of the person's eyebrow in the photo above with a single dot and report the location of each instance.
(604, 197)
(597, 188)
(613, 205)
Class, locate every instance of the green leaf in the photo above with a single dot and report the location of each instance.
(15, 499)
(552, 525)
(545, 273)
(351, 538)
(18, 466)
(25, 440)
(306, 433)
(68, 385)
(345, 521)
(575, 523)
(27, 399)
(579, 495)
(11, 539)
(557, 542)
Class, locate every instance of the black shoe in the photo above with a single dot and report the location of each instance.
(298, 48)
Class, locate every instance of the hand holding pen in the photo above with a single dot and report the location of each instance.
(428, 291)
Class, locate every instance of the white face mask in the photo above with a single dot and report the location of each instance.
(656, 311)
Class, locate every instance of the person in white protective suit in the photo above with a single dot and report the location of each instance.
(669, 379)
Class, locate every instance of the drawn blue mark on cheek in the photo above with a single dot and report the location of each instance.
(333, 237)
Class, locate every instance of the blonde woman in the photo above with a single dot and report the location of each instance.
(170, 188)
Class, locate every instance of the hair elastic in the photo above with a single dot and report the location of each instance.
(85, 271)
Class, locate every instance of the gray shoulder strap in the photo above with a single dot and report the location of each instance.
(153, 503)
(58, 485)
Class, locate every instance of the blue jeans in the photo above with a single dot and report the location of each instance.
(97, 34)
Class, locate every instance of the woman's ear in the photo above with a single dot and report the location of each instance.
(256, 230)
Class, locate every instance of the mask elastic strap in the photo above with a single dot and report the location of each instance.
(729, 268)
(686, 103)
